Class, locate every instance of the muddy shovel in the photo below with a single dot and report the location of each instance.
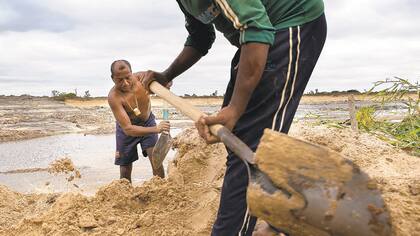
(301, 188)
(163, 144)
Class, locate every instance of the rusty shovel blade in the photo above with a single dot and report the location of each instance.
(318, 191)
(161, 149)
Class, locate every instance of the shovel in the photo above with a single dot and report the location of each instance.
(299, 187)
(162, 146)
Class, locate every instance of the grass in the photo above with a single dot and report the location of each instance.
(404, 134)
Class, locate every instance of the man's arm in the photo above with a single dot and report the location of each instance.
(251, 66)
(256, 36)
(125, 123)
(188, 57)
(199, 41)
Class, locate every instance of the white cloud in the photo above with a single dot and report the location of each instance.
(7, 14)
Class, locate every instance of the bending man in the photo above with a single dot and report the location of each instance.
(130, 104)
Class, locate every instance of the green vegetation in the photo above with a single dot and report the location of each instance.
(404, 134)
(365, 117)
(62, 96)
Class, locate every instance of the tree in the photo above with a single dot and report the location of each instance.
(55, 93)
(87, 94)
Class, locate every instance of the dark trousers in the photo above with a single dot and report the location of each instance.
(273, 105)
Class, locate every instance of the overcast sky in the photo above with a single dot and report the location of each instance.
(69, 44)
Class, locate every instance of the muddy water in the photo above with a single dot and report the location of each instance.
(336, 111)
(93, 155)
(339, 111)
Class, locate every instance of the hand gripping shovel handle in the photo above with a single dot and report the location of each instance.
(230, 140)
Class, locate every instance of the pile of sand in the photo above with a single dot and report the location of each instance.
(186, 202)
(183, 204)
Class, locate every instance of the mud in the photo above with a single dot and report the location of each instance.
(183, 204)
(66, 166)
(26, 117)
(297, 167)
(300, 160)
(395, 172)
(186, 202)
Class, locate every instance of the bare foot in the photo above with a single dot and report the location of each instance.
(264, 229)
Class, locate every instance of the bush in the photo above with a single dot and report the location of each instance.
(62, 96)
(365, 117)
(404, 134)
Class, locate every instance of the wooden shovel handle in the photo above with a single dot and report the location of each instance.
(230, 140)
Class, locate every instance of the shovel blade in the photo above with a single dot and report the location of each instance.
(161, 149)
(319, 192)
(353, 208)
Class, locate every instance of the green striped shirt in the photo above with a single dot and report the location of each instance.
(243, 21)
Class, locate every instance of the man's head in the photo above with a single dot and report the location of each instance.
(121, 75)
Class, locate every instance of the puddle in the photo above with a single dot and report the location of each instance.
(338, 111)
(25, 161)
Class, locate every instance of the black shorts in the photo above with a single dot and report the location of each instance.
(272, 105)
(126, 152)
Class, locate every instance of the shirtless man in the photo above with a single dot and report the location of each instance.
(130, 103)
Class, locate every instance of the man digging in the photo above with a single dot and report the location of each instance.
(278, 42)
(135, 123)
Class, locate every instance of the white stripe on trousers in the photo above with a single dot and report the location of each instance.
(245, 222)
(294, 80)
(287, 79)
(247, 217)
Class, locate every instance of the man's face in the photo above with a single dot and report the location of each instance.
(123, 78)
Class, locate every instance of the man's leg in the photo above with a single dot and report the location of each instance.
(310, 40)
(125, 171)
(157, 170)
(126, 152)
(273, 104)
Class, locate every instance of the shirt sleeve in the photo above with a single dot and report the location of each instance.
(201, 36)
(250, 17)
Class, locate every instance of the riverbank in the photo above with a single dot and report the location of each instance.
(27, 117)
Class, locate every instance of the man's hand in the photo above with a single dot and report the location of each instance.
(227, 116)
(163, 126)
(139, 75)
(150, 76)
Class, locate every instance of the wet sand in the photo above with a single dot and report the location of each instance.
(185, 203)
(26, 117)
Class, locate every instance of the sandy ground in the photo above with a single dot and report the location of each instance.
(26, 117)
(183, 204)
(186, 202)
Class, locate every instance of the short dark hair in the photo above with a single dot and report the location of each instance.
(115, 62)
